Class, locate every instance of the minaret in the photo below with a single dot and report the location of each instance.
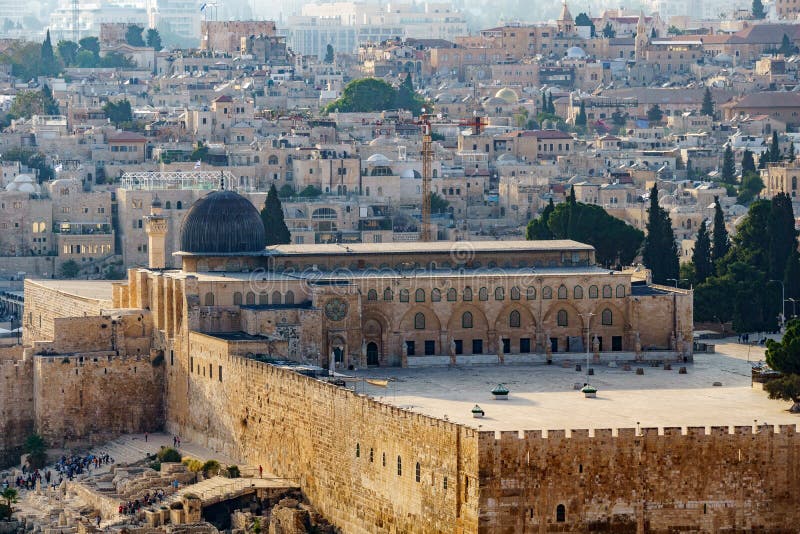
(642, 39)
(156, 228)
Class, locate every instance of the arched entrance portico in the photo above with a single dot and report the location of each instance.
(373, 354)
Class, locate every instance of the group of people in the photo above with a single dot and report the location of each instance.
(67, 467)
(745, 339)
(131, 507)
(71, 466)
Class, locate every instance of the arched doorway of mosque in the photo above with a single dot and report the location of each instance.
(372, 354)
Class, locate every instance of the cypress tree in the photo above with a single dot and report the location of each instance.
(763, 159)
(48, 58)
(277, 232)
(781, 233)
(721, 241)
(791, 155)
(728, 166)
(774, 149)
(701, 256)
(660, 253)
(791, 278)
(551, 108)
(580, 120)
(748, 163)
(708, 104)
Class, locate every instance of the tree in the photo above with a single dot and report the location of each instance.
(660, 253)
(48, 65)
(608, 31)
(200, 152)
(329, 54)
(763, 159)
(29, 103)
(115, 60)
(701, 256)
(133, 35)
(85, 60)
(9, 495)
(748, 163)
(277, 232)
(406, 97)
(36, 449)
(750, 188)
(775, 148)
(784, 356)
(90, 44)
(67, 51)
(580, 120)
(790, 157)
(721, 241)
(34, 160)
(791, 279)
(70, 269)
(653, 33)
(787, 46)
(50, 104)
(728, 166)
(538, 228)
(551, 108)
(154, 39)
(708, 104)
(781, 234)
(309, 192)
(118, 112)
(758, 10)
(438, 204)
(654, 114)
(583, 20)
(371, 94)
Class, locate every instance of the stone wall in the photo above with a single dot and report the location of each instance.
(659, 480)
(43, 304)
(16, 403)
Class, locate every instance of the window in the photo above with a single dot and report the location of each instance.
(593, 292)
(383, 459)
(467, 294)
(562, 292)
(620, 291)
(515, 293)
(250, 298)
(263, 298)
(547, 292)
(209, 299)
(289, 297)
(220, 372)
(606, 318)
(606, 292)
(483, 294)
(525, 345)
(179, 205)
(387, 294)
(452, 294)
(272, 160)
(444, 483)
(419, 321)
(514, 319)
(499, 293)
(530, 293)
(466, 320)
(436, 295)
(399, 466)
(358, 450)
(419, 295)
(561, 318)
(477, 346)
(430, 347)
(411, 348)
(561, 513)
(372, 295)
(276, 297)
(371, 455)
(404, 295)
(417, 472)
(577, 292)
(237, 298)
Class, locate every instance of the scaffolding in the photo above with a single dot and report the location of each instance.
(178, 180)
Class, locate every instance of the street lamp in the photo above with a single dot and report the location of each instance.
(588, 319)
(794, 310)
(783, 298)
(677, 280)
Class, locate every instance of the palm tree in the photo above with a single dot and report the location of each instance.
(9, 495)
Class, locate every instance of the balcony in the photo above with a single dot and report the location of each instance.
(82, 229)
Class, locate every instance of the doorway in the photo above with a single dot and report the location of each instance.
(372, 354)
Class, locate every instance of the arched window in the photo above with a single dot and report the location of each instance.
(514, 319)
(168, 205)
(562, 292)
(387, 294)
(593, 292)
(515, 293)
(399, 466)
(209, 300)
(607, 292)
(419, 295)
(371, 455)
(607, 318)
(250, 298)
(436, 295)
(289, 297)
(419, 321)
(417, 472)
(466, 320)
(273, 160)
(499, 293)
(577, 292)
(276, 297)
(263, 298)
(547, 292)
(372, 295)
(237, 298)
(620, 291)
(179, 205)
(483, 294)
(561, 513)
(452, 294)
(467, 294)
(794, 182)
(404, 295)
(530, 293)
(561, 318)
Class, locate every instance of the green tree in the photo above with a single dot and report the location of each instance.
(36, 449)
(154, 39)
(133, 35)
(750, 188)
(539, 228)
(580, 120)
(728, 166)
(775, 148)
(791, 279)
(781, 233)
(787, 46)
(406, 97)
(9, 496)
(748, 163)
(583, 20)
(50, 104)
(200, 152)
(708, 104)
(48, 65)
(118, 112)
(287, 191)
(721, 241)
(115, 60)
(608, 31)
(654, 114)
(67, 51)
(653, 33)
(763, 159)
(169, 455)
(368, 95)
(34, 160)
(674, 30)
(758, 10)
(438, 204)
(310, 191)
(551, 108)
(90, 44)
(272, 216)
(660, 253)
(701, 256)
(784, 356)
(29, 103)
(329, 54)
(70, 269)
(791, 155)
(86, 60)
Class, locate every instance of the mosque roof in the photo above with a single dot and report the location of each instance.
(222, 222)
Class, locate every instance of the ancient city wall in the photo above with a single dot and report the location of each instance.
(343, 448)
(651, 481)
(16, 403)
(43, 304)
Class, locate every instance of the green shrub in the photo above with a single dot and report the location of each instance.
(193, 465)
(168, 454)
(233, 471)
(211, 468)
(36, 448)
(5, 512)
(155, 466)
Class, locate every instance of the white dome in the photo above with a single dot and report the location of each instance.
(576, 52)
(26, 188)
(24, 179)
(378, 158)
(11, 187)
(408, 173)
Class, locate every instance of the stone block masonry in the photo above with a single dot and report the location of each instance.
(16, 404)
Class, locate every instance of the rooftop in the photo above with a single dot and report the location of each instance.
(90, 289)
(433, 247)
(542, 396)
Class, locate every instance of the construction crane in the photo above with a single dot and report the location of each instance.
(427, 165)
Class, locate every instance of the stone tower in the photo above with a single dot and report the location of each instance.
(642, 38)
(156, 227)
(565, 21)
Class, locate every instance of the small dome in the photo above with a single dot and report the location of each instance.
(23, 179)
(508, 95)
(576, 52)
(507, 159)
(222, 222)
(26, 188)
(378, 158)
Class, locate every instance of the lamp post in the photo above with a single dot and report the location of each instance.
(677, 280)
(783, 298)
(794, 310)
(588, 319)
